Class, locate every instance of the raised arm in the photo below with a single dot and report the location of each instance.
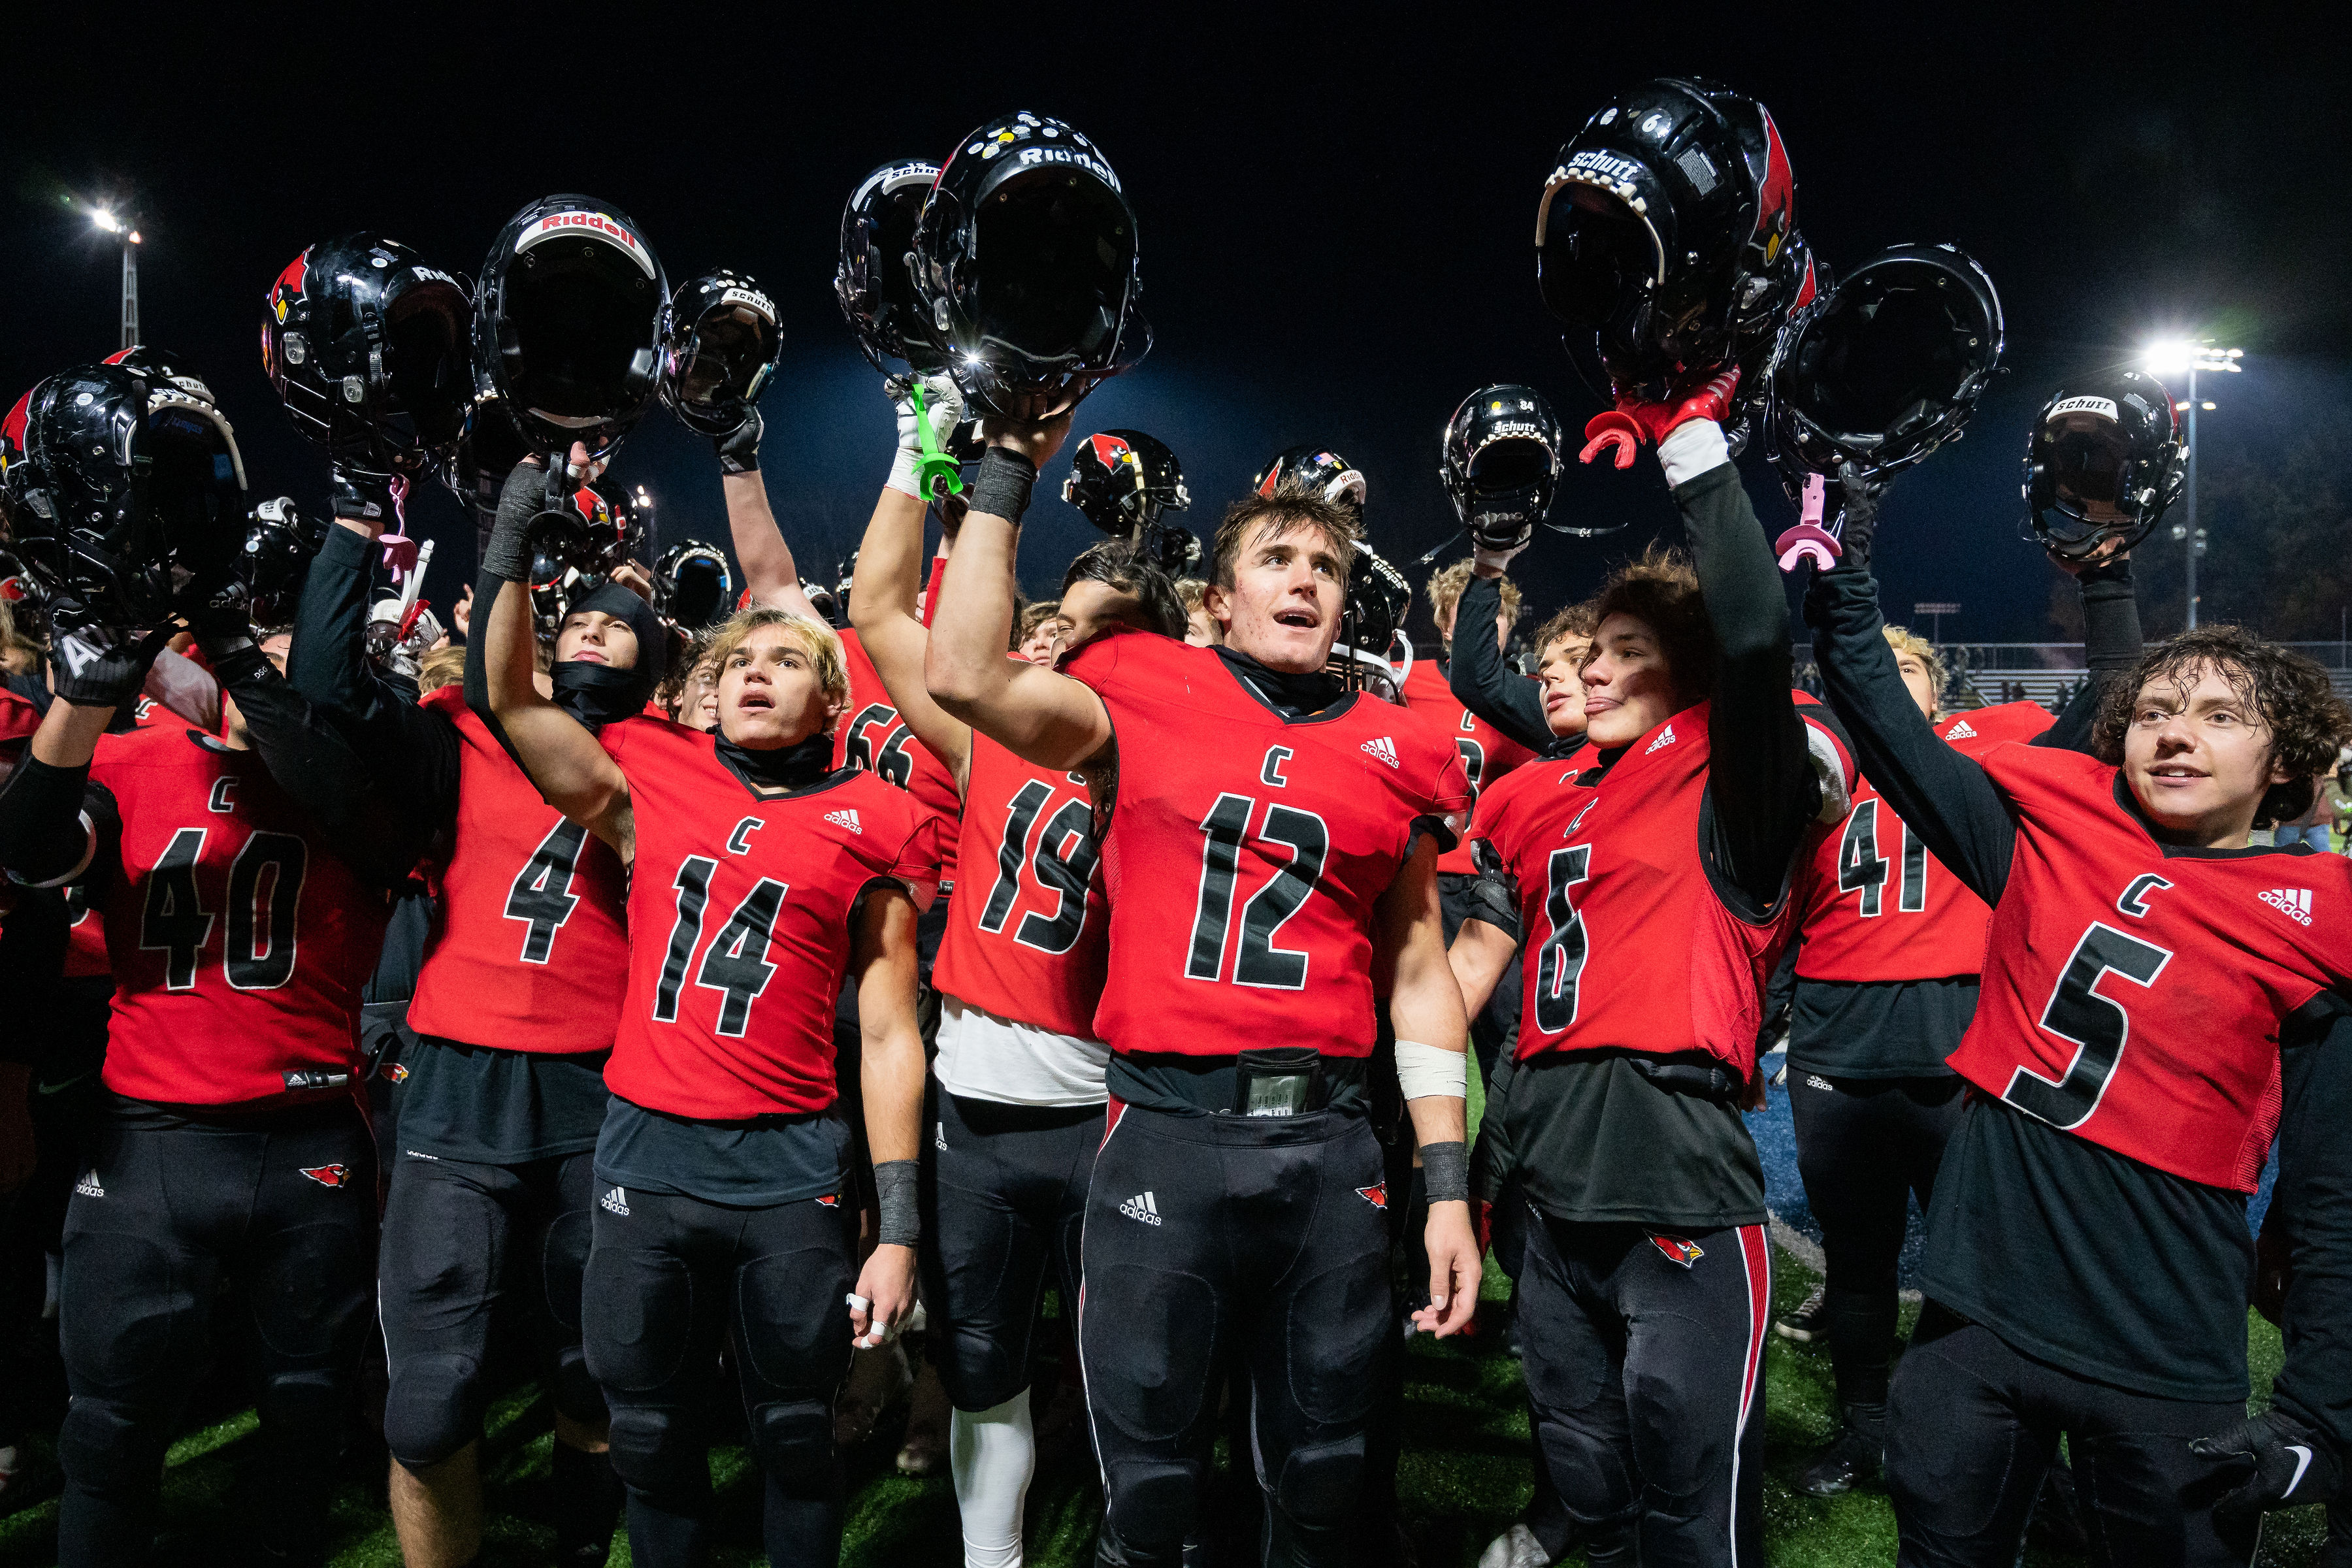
(1043, 717)
(769, 572)
(1480, 680)
(570, 770)
(2111, 644)
(52, 819)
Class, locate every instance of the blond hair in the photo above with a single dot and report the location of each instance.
(1194, 594)
(442, 667)
(1445, 592)
(816, 639)
(1903, 639)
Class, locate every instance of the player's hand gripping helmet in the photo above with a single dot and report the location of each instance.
(1884, 367)
(1500, 459)
(875, 281)
(692, 587)
(2105, 460)
(1315, 470)
(1123, 479)
(126, 496)
(279, 544)
(720, 344)
(366, 347)
(1025, 264)
(1668, 229)
(567, 323)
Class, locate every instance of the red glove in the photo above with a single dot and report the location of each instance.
(1633, 421)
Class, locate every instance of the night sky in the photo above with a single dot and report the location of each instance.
(1337, 220)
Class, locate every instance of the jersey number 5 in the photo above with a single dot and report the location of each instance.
(2095, 1024)
(1256, 961)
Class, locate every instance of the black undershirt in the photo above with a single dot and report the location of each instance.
(1879, 1030)
(499, 1107)
(756, 1162)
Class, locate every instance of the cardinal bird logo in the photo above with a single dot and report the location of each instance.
(830, 1200)
(1776, 201)
(1678, 1250)
(333, 1176)
(12, 432)
(1376, 1195)
(1110, 450)
(399, 1073)
(289, 286)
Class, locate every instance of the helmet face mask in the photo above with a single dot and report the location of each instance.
(2103, 463)
(367, 348)
(720, 344)
(1499, 460)
(567, 334)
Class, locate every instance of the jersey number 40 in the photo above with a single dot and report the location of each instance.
(262, 906)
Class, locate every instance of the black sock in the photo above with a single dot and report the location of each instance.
(587, 1506)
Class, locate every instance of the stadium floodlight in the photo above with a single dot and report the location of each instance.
(2167, 362)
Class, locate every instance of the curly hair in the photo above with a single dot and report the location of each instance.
(1576, 621)
(1661, 590)
(1444, 590)
(2308, 722)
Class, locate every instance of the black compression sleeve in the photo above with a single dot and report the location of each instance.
(1481, 682)
(2313, 1194)
(41, 835)
(478, 664)
(1941, 795)
(1760, 778)
(2112, 649)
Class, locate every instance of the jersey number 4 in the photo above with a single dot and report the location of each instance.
(541, 897)
(1256, 961)
(1063, 863)
(265, 901)
(737, 964)
(2095, 1024)
(1863, 869)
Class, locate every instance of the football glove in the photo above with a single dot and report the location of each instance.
(2276, 1461)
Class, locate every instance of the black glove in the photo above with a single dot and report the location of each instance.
(1857, 508)
(88, 675)
(222, 618)
(738, 449)
(2276, 1461)
(506, 554)
(369, 496)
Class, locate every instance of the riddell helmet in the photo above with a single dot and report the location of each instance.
(581, 534)
(1025, 264)
(1315, 468)
(1668, 228)
(567, 323)
(692, 587)
(1500, 459)
(125, 495)
(161, 364)
(280, 545)
(720, 344)
(2105, 460)
(875, 281)
(1122, 479)
(1884, 368)
(366, 346)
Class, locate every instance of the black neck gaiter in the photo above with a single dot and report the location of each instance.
(779, 767)
(1294, 696)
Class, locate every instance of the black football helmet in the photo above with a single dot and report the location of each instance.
(1884, 367)
(1500, 459)
(366, 347)
(126, 496)
(1052, 302)
(161, 364)
(692, 587)
(487, 453)
(875, 281)
(279, 544)
(721, 342)
(1370, 616)
(2105, 460)
(567, 323)
(1667, 229)
(1314, 468)
(1123, 479)
(580, 533)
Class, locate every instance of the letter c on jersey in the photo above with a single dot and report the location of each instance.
(219, 799)
(2135, 899)
(738, 843)
(1271, 771)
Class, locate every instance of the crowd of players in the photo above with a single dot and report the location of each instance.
(690, 1009)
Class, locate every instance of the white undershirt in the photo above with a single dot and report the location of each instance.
(983, 1057)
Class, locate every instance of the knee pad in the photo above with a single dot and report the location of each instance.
(110, 1448)
(1319, 1485)
(795, 1439)
(978, 1373)
(654, 1455)
(433, 1409)
(575, 1394)
(1153, 1504)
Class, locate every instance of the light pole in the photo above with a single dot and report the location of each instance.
(2167, 361)
(105, 220)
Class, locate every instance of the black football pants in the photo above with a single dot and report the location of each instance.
(286, 1211)
(1257, 1243)
(670, 1278)
(1004, 1197)
(1863, 1147)
(1973, 1425)
(464, 1243)
(1644, 1360)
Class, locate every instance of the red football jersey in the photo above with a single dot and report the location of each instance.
(740, 923)
(1028, 937)
(1874, 905)
(2132, 996)
(19, 718)
(528, 951)
(239, 944)
(1247, 853)
(1487, 754)
(1611, 886)
(871, 735)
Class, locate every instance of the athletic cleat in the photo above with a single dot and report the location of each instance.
(1806, 1324)
(1515, 1547)
(1849, 1460)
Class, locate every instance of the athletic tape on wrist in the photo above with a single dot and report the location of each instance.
(901, 1223)
(1003, 485)
(1445, 1172)
(1692, 449)
(1423, 1071)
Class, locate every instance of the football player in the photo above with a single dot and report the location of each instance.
(1646, 1279)
(1017, 1107)
(1270, 841)
(761, 878)
(2157, 999)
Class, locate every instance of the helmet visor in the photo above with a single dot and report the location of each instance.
(1593, 248)
(1512, 463)
(192, 490)
(1891, 357)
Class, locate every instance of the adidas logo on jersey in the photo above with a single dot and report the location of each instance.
(1383, 748)
(88, 1185)
(617, 1200)
(847, 817)
(1963, 731)
(1665, 738)
(1142, 1206)
(2295, 903)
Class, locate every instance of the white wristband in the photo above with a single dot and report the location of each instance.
(1423, 1071)
(902, 474)
(1691, 448)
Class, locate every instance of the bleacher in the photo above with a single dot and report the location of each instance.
(1984, 674)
